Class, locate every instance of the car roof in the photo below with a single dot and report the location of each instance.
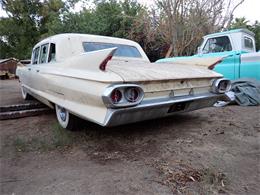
(87, 37)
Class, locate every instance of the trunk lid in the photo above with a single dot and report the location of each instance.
(132, 71)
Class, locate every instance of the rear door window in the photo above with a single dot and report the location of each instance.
(44, 53)
(52, 53)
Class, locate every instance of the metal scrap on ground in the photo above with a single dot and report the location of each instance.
(22, 110)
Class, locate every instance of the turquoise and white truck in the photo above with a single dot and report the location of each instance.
(237, 47)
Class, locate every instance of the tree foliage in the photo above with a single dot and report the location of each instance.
(244, 23)
(29, 21)
(19, 31)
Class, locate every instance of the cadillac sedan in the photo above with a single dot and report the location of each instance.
(110, 81)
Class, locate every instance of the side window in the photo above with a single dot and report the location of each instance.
(35, 55)
(218, 44)
(248, 43)
(44, 53)
(52, 54)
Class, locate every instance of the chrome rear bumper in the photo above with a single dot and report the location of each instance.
(151, 109)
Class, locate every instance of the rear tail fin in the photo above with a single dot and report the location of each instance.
(103, 64)
(95, 60)
(209, 62)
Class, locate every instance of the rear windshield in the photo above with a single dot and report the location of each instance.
(122, 50)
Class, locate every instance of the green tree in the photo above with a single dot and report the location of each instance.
(111, 18)
(28, 21)
(244, 23)
(19, 31)
(240, 23)
(256, 29)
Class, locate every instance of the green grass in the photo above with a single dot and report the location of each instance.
(57, 138)
(61, 137)
(20, 145)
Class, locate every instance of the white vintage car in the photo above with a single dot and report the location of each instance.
(110, 81)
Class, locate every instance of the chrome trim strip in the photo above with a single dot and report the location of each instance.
(149, 109)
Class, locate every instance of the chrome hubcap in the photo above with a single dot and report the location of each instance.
(63, 114)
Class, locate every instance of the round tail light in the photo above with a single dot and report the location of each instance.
(132, 94)
(116, 96)
(122, 95)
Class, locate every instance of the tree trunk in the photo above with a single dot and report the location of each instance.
(168, 54)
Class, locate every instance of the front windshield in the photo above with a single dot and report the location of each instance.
(122, 50)
(217, 44)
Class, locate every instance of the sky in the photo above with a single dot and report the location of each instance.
(249, 9)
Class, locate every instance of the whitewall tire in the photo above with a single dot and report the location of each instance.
(65, 119)
(25, 94)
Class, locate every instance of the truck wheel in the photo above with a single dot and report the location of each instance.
(25, 95)
(65, 119)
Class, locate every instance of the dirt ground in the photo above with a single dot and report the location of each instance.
(210, 151)
(10, 92)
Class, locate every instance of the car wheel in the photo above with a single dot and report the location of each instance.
(65, 119)
(25, 95)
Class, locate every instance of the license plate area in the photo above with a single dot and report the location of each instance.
(177, 107)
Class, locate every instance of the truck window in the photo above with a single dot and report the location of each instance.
(122, 50)
(248, 43)
(44, 53)
(35, 55)
(217, 44)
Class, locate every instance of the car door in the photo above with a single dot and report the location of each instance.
(36, 76)
(27, 73)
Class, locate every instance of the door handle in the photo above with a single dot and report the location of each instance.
(37, 70)
(29, 68)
